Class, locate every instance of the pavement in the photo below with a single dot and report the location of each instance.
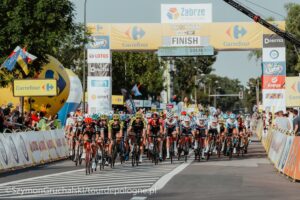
(251, 176)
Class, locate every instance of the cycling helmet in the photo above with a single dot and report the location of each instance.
(232, 116)
(183, 113)
(154, 114)
(225, 116)
(123, 117)
(88, 120)
(175, 115)
(95, 117)
(148, 115)
(201, 117)
(116, 117)
(214, 120)
(170, 115)
(186, 119)
(72, 114)
(80, 119)
(103, 117)
(138, 115)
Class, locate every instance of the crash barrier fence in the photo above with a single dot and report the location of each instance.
(283, 149)
(26, 149)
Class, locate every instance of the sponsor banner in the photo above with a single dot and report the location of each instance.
(285, 153)
(43, 146)
(135, 36)
(273, 82)
(277, 146)
(99, 69)
(98, 56)
(292, 91)
(185, 51)
(185, 41)
(274, 55)
(186, 13)
(274, 68)
(50, 145)
(138, 103)
(15, 158)
(222, 36)
(274, 99)
(291, 167)
(147, 103)
(5, 153)
(99, 42)
(99, 94)
(273, 40)
(162, 106)
(34, 147)
(117, 100)
(35, 87)
(102, 29)
(24, 148)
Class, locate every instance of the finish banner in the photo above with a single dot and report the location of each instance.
(222, 36)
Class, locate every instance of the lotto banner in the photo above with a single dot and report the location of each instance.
(273, 82)
(277, 146)
(222, 36)
(285, 153)
(292, 91)
(291, 168)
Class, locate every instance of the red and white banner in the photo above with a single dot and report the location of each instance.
(273, 82)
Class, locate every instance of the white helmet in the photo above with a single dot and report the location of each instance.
(80, 118)
(170, 115)
(186, 119)
(72, 114)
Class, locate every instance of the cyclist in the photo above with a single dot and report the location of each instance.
(115, 131)
(213, 131)
(185, 130)
(137, 126)
(171, 131)
(78, 129)
(155, 129)
(232, 127)
(200, 131)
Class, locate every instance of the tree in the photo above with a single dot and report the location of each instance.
(186, 70)
(130, 68)
(42, 26)
(293, 26)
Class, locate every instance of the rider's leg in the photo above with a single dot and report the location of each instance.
(141, 146)
(195, 139)
(174, 141)
(168, 146)
(160, 145)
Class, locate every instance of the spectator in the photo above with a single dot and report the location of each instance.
(296, 122)
(282, 121)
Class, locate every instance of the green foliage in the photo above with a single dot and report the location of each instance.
(130, 68)
(42, 26)
(293, 26)
(187, 68)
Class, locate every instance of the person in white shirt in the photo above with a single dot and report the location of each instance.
(282, 122)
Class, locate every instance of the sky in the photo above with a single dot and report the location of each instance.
(231, 64)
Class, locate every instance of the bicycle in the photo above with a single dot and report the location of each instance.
(136, 150)
(211, 145)
(200, 137)
(155, 150)
(79, 152)
(184, 146)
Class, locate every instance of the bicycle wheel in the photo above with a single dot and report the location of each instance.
(87, 164)
(133, 156)
(186, 151)
(208, 152)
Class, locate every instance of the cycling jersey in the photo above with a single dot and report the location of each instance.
(137, 126)
(104, 128)
(185, 130)
(170, 126)
(230, 126)
(154, 126)
(115, 128)
(201, 128)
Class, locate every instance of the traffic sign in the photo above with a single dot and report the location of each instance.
(185, 51)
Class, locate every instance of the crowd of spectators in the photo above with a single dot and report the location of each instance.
(11, 119)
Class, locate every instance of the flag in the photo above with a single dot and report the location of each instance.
(24, 59)
(11, 61)
(128, 101)
(135, 91)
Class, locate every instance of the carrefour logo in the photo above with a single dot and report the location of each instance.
(296, 87)
(236, 32)
(47, 87)
(135, 33)
(173, 14)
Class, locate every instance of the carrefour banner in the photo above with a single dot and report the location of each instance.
(186, 13)
(99, 94)
(135, 36)
(222, 36)
(292, 91)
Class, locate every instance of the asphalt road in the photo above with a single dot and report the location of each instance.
(248, 177)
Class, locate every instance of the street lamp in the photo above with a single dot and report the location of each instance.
(84, 57)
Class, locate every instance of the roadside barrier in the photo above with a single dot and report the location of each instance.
(283, 149)
(26, 149)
